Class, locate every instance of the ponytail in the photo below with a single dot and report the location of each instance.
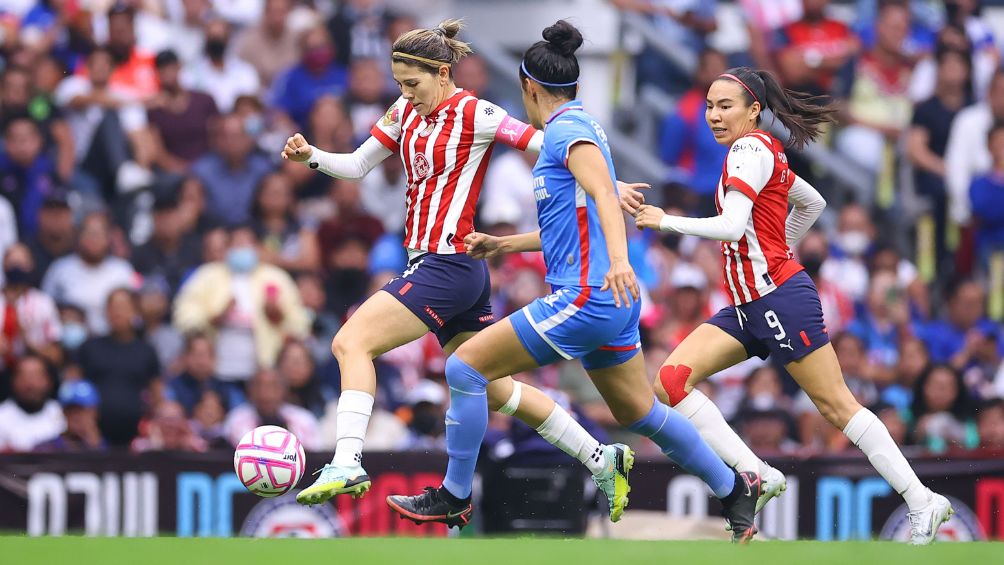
(432, 48)
(802, 114)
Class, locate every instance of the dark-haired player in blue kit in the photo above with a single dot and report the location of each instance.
(591, 315)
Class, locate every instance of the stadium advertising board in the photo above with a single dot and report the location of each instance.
(199, 495)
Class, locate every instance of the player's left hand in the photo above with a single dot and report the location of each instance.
(621, 279)
(631, 197)
(648, 217)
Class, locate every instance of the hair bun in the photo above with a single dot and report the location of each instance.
(564, 37)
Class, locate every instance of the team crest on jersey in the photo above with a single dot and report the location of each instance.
(421, 166)
(391, 116)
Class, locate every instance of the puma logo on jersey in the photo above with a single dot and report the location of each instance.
(786, 345)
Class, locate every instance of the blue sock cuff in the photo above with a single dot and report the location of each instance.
(652, 422)
(463, 378)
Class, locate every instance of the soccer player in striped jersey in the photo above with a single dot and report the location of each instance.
(776, 306)
(444, 135)
(591, 315)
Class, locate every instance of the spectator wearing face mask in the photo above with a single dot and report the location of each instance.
(249, 307)
(845, 266)
(426, 431)
(317, 74)
(219, 73)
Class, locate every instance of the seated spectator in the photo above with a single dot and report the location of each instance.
(426, 430)
(269, 45)
(473, 75)
(55, 238)
(946, 338)
(879, 106)
(17, 99)
(207, 420)
(967, 154)
(838, 309)
(154, 309)
(86, 278)
(317, 74)
(109, 127)
(215, 243)
(927, 138)
(179, 118)
(990, 424)
(323, 323)
(231, 171)
(883, 324)
(285, 242)
(193, 214)
(886, 257)
(942, 410)
(363, 28)
(331, 130)
(952, 38)
(80, 401)
(30, 417)
(893, 420)
(171, 252)
(169, 430)
(504, 197)
(688, 305)
(29, 321)
(296, 366)
(198, 376)
(267, 405)
(366, 98)
(685, 140)
(914, 360)
(986, 195)
(985, 375)
(766, 432)
(813, 50)
(123, 367)
(134, 72)
(218, 73)
(923, 21)
(75, 332)
(27, 175)
(249, 307)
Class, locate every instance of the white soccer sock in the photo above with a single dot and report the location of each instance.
(867, 432)
(561, 430)
(354, 409)
(717, 433)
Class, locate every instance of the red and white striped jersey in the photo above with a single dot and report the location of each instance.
(760, 261)
(445, 155)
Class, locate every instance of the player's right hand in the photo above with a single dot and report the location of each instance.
(482, 245)
(297, 149)
(631, 198)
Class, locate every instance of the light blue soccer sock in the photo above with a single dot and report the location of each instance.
(679, 440)
(466, 424)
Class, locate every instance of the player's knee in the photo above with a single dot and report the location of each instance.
(674, 381)
(836, 410)
(462, 377)
(342, 345)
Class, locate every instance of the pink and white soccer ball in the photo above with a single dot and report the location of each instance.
(269, 461)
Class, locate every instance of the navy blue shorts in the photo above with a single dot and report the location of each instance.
(787, 323)
(451, 294)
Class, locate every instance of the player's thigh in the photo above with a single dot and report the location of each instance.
(380, 324)
(496, 352)
(706, 351)
(819, 375)
(626, 389)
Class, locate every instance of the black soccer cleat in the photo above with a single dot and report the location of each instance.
(432, 506)
(739, 507)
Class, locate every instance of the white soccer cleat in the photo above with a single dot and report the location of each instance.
(924, 523)
(774, 483)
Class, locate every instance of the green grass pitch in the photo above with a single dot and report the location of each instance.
(508, 551)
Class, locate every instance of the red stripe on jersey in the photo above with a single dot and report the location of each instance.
(525, 139)
(436, 168)
(465, 224)
(805, 338)
(583, 296)
(412, 191)
(385, 139)
(583, 215)
(463, 154)
(742, 186)
(733, 276)
(743, 258)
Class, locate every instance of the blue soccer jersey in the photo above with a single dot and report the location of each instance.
(575, 250)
